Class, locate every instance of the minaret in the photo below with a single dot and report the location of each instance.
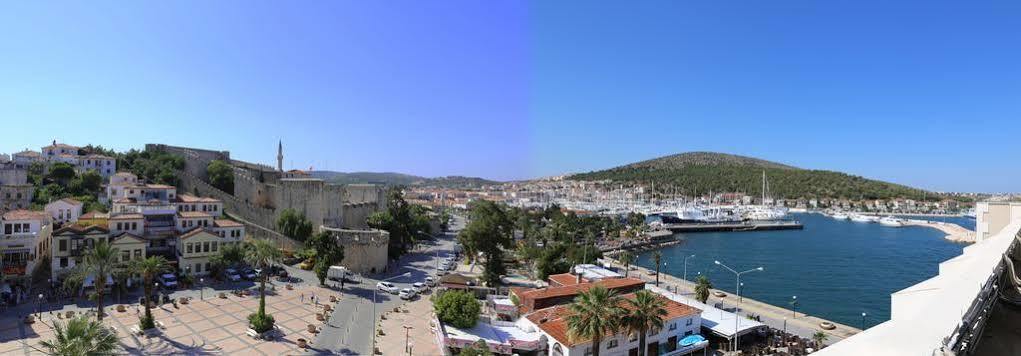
(280, 156)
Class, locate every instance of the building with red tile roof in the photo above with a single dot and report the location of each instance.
(540, 298)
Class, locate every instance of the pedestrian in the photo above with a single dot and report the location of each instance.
(302, 297)
(314, 300)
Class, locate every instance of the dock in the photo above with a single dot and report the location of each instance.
(735, 226)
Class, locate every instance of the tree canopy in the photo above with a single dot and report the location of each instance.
(488, 232)
(294, 224)
(404, 222)
(221, 176)
(457, 308)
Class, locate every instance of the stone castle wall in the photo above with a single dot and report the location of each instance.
(257, 220)
(365, 251)
(195, 159)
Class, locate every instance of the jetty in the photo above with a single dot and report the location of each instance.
(953, 232)
(734, 226)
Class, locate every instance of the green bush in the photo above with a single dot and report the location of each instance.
(457, 308)
(146, 322)
(261, 323)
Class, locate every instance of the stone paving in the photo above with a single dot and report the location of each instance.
(421, 337)
(210, 326)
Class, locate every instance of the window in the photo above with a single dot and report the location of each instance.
(125, 255)
(138, 253)
(205, 246)
(215, 243)
(134, 226)
(673, 326)
(611, 344)
(63, 262)
(588, 351)
(62, 246)
(119, 226)
(689, 322)
(188, 247)
(198, 268)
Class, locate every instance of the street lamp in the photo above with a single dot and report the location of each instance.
(737, 284)
(202, 289)
(406, 274)
(738, 274)
(863, 321)
(794, 303)
(407, 330)
(686, 267)
(784, 330)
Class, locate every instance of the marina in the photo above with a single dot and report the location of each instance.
(733, 226)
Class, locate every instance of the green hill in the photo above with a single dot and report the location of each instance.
(720, 172)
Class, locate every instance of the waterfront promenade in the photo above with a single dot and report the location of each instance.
(799, 324)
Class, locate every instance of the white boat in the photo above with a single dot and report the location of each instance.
(891, 222)
(839, 216)
(862, 218)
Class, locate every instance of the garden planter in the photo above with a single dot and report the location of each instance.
(121, 308)
(320, 317)
(302, 343)
(312, 328)
(333, 299)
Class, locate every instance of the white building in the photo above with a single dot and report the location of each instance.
(104, 165)
(55, 149)
(681, 321)
(24, 241)
(65, 210)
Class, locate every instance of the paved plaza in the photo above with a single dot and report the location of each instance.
(209, 326)
(420, 338)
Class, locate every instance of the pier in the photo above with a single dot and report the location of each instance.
(734, 226)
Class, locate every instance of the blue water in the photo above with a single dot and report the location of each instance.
(837, 269)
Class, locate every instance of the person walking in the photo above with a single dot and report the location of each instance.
(302, 297)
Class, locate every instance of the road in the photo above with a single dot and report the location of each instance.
(349, 331)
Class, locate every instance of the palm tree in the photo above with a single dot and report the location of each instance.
(626, 258)
(262, 254)
(657, 256)
(121, 275)
(646, 312)
(819, 338)
(149, 268)
(99, 261)
(593, 313)
(81, 336)
(702, 287)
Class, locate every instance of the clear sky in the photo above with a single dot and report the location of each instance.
(925, 93)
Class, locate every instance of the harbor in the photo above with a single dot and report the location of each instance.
(733, 226)
(851, 268)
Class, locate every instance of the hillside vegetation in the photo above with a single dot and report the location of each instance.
(719, 172)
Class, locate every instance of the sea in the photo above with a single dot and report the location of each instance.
(837, 269)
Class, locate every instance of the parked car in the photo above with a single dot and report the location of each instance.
(441, 272)
(406, 294)
(249, 274)
(419, 287)
(429, 281)
(168, 280)
(232, 275)
(387, 287)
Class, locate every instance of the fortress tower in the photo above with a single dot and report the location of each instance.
(280, 156)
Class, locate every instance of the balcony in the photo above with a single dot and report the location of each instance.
(19, 236)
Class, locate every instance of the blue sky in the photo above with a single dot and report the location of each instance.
(920, 93)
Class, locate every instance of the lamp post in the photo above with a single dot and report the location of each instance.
(863, 321)
(794, 303)
(737, 284)
(784, 336)
(407, 330)
(202, 289)
(406, 274)
(686, 267)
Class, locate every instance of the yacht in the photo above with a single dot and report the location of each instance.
(891, 221)
(862, 218)
(839, 216)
